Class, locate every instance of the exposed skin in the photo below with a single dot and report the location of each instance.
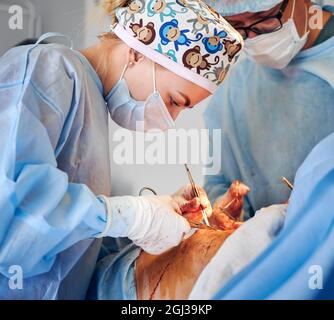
(189, 203)
(301, 9)
(109, 57)
(226, 213)
(172, 275)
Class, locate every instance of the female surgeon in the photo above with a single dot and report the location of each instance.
(159, 58)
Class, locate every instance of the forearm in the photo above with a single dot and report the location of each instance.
(43, 216)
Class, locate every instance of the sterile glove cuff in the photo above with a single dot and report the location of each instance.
(104, 233)
(120, 216)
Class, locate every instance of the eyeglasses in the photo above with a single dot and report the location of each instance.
(266, 25)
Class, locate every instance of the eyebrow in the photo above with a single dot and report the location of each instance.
(259, 15)
(186, 98)
(236, 23)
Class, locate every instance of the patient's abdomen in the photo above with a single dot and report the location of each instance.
(173, 274)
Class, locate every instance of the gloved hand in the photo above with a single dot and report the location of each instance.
(227, 210)
(190, 205)
(151, 222)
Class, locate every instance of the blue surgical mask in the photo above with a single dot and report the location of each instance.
(149, 115)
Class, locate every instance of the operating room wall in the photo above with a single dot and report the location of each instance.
(164, 178)
(63, 16)
(67, 17)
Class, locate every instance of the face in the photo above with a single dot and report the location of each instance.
(173, 34)
(214, 41)
(177, 93)
(145, 34)
(202, 20)
(159, 6)
(232, 48)
(248, 18)
(194, 59)
(135, 6)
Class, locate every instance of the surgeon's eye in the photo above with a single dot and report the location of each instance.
(174, 103)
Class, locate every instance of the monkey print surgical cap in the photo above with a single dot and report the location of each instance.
(187, 37)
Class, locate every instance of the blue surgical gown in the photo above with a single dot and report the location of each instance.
(299, 264)
(115, 277)
(54, 162)
(270, 121)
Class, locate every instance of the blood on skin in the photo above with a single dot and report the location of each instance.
(172, 275)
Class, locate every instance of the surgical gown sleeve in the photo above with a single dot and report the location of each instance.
(305, 242)
(42, 213)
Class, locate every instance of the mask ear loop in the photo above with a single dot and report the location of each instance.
(154, 79)
(293, 9)
(123, 72)
(306, 21)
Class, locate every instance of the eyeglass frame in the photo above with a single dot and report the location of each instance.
(278, 16)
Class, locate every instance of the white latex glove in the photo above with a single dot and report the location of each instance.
(189, 203)
(151, 222)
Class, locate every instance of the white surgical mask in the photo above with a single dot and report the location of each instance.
(277, 49)
(149, 115)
